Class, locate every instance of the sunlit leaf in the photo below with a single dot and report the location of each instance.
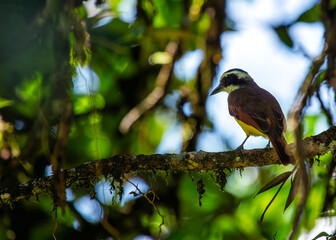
(311, 15)
(30, 88)
(5, 102)
(204, 23)
(160, 58)
(275, 181)
(148, 8)
(167, 13)
(84, 104)
(29, 92)
(310, 123)
(314, 203)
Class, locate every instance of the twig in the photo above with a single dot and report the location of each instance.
(304, 92)
(151, 201)
(324, 108)
(295, 117)
(107, 226)
(157, 93)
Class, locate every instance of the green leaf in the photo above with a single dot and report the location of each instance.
(321, 234)
(310, 123)
(294, 189)
(5, 102)
(275, 181)
(311, 15)
(283, 35)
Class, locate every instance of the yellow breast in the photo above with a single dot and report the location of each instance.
(249, 130)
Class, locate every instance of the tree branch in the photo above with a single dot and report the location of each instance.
(153, 98)
(85, 176)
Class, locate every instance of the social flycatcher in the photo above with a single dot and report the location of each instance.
(255, 110)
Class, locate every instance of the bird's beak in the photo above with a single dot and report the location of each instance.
(218, 89)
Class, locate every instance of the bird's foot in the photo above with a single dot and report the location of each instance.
(268, 146)
(241, 149)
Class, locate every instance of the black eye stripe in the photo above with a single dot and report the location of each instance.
(232, 79)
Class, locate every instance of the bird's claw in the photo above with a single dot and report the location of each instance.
(241, 149)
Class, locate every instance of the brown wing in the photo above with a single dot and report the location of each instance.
(258, 108)
(280, 119)
(256, 120)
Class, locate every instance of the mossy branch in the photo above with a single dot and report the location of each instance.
(86, 175)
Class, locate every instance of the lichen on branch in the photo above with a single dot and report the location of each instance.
(85, 176)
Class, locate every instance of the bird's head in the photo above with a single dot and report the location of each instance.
(232, 80)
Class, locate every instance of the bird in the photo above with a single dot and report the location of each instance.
(256, 110)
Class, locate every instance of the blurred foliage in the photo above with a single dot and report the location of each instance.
(56, 54)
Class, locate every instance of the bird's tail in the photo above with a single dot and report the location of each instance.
(281, 147)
